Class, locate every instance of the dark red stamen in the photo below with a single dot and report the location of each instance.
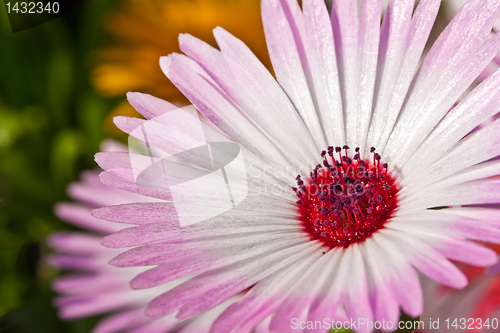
(345, 201)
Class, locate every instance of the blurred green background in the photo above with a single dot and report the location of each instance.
(50, 127)
(60, 85)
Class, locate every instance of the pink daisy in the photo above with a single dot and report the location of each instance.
(351, 158)
(94, 287)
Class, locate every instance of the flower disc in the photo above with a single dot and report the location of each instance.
(346, 199)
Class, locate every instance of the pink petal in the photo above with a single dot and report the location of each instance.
(245, 99)
(266, 91)
(189, 264)
(81, 306)
(120, 321)
(383, 300)
(460, 121)
(80, 216)
(263, 299)
(427, 260)
(75, 243)
(123, 179)
(216, 107)
(452, 64)
(403, 38)
(345, 25)
(149, 106)
(484, 191)
(218, 285)
(284, 29)
(325, 86)
(139, 213)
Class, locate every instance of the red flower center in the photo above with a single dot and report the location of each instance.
(346, 199)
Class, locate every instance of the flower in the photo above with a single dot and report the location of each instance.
(392, 180)
(95, 287)
(474, 308)
(140, 31)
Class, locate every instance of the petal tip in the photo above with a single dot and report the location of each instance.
(108, 242)
(153, 310)
(165, 64)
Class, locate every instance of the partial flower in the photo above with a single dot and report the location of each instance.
(475, 308)
(94, 287)
(141, 31)
(362, 168)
